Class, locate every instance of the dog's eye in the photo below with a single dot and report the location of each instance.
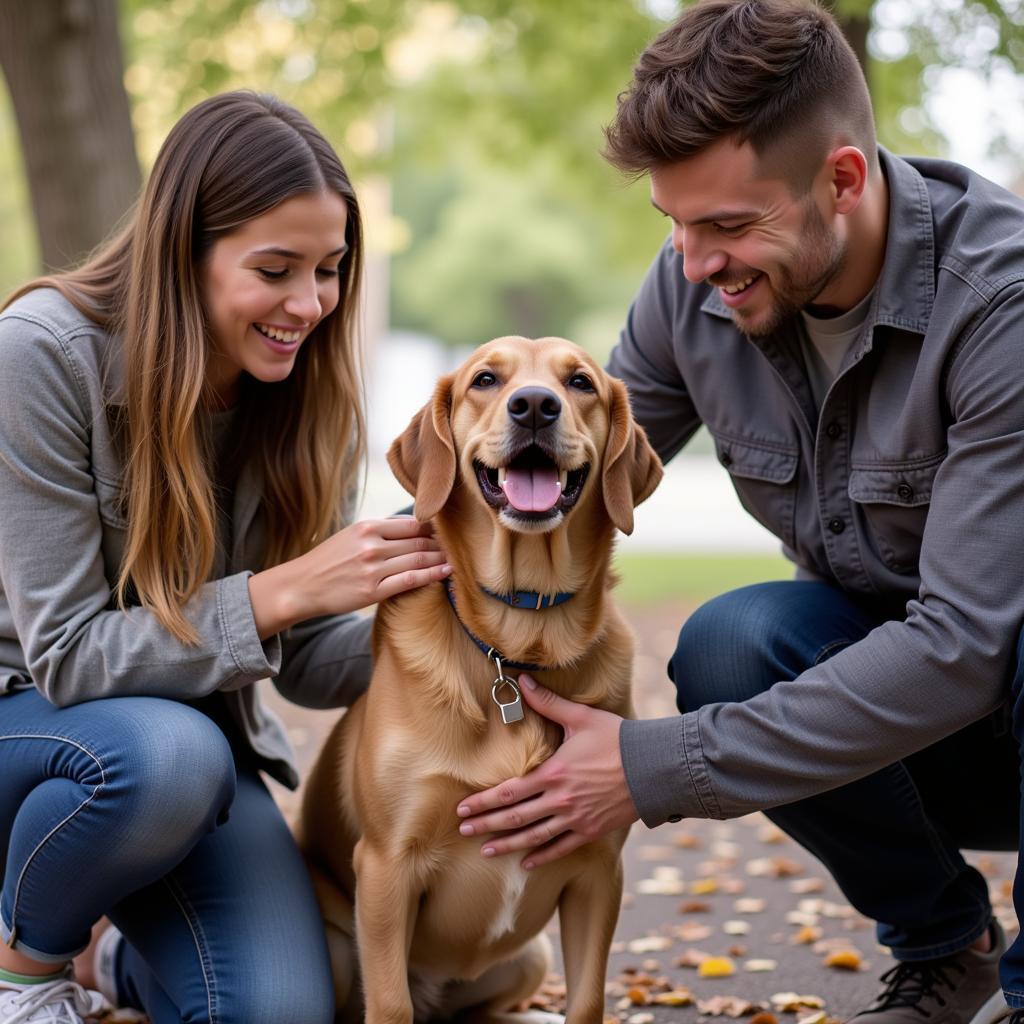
(484, 379)
(581, 382)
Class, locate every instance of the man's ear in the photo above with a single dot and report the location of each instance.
(422, 457)
(632, 468)
(849, 178)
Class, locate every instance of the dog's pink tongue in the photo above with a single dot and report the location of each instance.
(532, 490)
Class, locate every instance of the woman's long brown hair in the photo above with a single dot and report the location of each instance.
(229, 159)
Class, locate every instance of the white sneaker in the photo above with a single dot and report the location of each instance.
(61, 1001)
(104, 959)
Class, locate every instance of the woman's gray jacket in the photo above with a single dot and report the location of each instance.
(62, 537)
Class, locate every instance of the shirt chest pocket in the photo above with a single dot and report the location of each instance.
(765, 480)
(893, 503)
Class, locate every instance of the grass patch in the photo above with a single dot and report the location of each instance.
(653, 577)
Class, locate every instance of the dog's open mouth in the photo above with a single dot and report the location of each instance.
(531, 486)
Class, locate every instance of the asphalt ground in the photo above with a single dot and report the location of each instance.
(738, 892)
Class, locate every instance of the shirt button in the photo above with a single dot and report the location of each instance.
(905, 492)
(674, 818)
(836, 525)
(726, 460)
(833, 430)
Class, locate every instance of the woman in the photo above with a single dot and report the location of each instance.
(180, 430)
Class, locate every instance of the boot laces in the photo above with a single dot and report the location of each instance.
(909, 983)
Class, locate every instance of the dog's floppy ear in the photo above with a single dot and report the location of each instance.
(632, 468)
(422, 457)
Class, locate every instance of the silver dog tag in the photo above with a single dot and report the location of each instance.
(513, 710)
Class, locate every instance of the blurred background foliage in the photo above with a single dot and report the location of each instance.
(476, 127)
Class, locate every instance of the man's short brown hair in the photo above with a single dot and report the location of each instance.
(778, 74)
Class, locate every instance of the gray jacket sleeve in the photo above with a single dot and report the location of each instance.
(326, 661)
(908, 683)
(77, 646)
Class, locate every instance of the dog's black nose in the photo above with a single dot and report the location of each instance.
(534, 407)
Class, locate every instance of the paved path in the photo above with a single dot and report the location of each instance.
(736, 889)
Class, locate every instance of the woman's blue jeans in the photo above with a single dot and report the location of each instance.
(139, 808)
(891, 840)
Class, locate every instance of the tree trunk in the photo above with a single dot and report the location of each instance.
(62, 61)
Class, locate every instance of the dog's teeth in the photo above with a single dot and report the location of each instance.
(563, 478)
(501, 476)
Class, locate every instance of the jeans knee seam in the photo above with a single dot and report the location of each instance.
(56, 828)
(829, 649)
(187, 912)
(59, 739)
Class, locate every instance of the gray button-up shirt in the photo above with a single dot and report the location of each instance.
(907, 490)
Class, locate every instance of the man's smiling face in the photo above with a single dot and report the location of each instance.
(768, 252)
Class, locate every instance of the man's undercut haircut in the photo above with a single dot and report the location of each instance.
(778, 74)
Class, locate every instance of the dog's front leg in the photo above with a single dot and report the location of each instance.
(588, 910)
(386, 902)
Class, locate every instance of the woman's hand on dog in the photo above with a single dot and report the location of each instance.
(356, 567)
(578, 795)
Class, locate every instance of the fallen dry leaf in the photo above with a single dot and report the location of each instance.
(817, 1017)
(790, 1002)
(845, 960)
(692, 958)
(731, 1006)
(805, 886)
(801, 917)
(694, 907)
(660, 887)
(686, 841)
(756, 966)
(749, 905)
(649, 944)
(726, 850)
(736, 927)
(837, 909)
(773, 867)
(716, 967)
(808, 933)
(674, 997)
(733, 886)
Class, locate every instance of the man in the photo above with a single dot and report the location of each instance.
(850, 328)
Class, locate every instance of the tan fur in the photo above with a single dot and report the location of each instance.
(440, 928)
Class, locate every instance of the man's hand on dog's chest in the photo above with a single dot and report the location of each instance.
(578, 795)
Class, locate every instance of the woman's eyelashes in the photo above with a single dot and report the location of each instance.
(324, 273)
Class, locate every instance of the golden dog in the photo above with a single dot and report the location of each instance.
(526, 460)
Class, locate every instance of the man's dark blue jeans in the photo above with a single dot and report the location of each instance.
(892, 840)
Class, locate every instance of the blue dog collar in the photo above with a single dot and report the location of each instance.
(529, 600)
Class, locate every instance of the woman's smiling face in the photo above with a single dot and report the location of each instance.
(267, 285)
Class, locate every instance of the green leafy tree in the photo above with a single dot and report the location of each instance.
(449, 99)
